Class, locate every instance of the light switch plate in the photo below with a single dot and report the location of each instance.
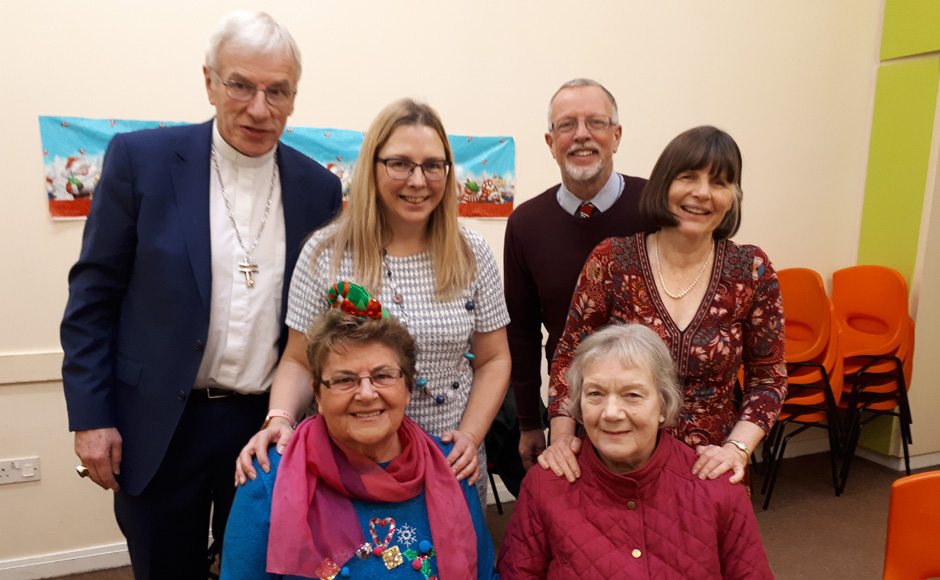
(19, 470)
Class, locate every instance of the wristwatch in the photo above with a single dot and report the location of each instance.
(740, 445)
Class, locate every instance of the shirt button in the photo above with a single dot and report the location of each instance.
(198, 346)
(637, 553)
(631, 505)
(181, 396)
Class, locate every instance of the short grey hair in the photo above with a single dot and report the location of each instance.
(634, 346)
(253, 30)
(582, 82)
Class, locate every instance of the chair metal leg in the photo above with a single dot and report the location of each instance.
(499, 504)
(851, 442)
(854, 416)
(781, 449)
(769, 452)
(835, 445)
(905, 437)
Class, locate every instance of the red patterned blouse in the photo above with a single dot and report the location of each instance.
(740, 321)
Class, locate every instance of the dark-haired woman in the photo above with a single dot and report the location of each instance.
(715, 303)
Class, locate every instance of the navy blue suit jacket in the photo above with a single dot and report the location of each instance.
(137, 317)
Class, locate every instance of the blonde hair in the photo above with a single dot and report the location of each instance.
(362, 226)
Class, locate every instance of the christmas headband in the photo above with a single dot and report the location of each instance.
(355, 300)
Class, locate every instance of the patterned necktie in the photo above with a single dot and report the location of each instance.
(586, 210)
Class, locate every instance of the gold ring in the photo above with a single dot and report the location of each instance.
(82, 471)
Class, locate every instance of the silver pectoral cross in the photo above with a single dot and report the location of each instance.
(247, 267)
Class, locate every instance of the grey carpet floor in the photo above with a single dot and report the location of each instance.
(808, 532)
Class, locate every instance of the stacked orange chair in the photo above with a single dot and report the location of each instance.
(814, 366)
(913, 547)
(877, 349)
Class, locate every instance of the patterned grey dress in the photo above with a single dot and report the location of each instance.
(443, 330)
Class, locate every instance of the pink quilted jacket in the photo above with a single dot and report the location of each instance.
(656, 522)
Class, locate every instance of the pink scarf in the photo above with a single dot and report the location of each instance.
(314, 528)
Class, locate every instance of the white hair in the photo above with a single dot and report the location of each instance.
(582, 82)
(633, 346)
(253, 30)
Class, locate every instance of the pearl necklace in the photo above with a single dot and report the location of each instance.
(662, 282)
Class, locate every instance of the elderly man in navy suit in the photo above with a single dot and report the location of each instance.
(175, 317)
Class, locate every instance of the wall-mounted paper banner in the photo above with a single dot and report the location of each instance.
(73, 149)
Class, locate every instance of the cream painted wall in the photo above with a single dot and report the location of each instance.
(924, 396)
(792, 82)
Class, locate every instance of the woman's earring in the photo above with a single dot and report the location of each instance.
(662, 419)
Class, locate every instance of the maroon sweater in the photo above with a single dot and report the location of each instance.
(658, 521)
(544, 251)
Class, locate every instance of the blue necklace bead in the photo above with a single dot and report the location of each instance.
(470, 305)
(439, 399)
(421, 382)
(468, 356)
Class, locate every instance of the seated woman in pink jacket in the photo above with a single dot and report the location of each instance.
(636, 511)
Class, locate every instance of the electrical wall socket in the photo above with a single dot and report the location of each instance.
(19, 470)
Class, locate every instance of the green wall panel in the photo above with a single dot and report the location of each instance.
(905, 103)
(879, 434)
(910, 27)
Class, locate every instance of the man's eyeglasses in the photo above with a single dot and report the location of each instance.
(593, 124)
(379, 379)
(401, 169)
(278, 97)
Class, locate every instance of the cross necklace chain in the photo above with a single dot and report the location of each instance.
(246, 266)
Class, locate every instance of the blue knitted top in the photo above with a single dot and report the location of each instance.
(246, 536)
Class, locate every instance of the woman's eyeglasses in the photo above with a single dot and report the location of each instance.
(401, 169)
(379, 379)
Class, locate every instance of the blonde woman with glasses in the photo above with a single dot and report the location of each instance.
(399, 239)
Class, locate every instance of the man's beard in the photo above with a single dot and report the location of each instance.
(584, 174)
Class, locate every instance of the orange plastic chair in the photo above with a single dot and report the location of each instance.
(886, 385)
(806, 311)
(828, 366)
(871, 306)
(913, 548)
(815, 384)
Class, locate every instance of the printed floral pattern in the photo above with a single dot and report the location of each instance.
(740, 321)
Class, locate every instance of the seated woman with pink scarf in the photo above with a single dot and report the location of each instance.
(361, 491)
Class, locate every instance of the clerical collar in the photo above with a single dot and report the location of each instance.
(603, 200)
(233, 156)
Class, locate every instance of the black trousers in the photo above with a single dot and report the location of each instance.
(167, 525)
